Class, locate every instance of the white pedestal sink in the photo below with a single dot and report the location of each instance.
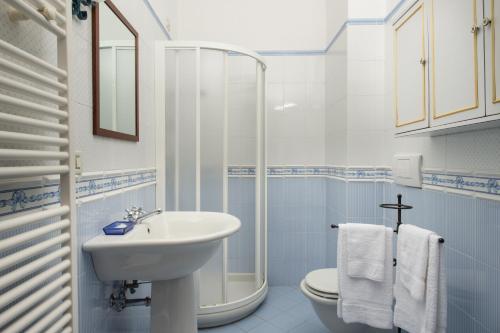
(165, 249)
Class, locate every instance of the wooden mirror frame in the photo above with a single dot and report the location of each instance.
(97, 130)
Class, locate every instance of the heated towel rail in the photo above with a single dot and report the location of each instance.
(37, 271)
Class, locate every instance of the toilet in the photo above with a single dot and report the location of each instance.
(321, 288)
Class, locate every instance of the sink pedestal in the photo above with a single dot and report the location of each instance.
(173, 306)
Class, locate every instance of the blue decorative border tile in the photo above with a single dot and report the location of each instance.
(487, 185)
(359, 173)
(297, 171)
(468, 183)
(367, 173)
(241, 171)
(28, 198)
(20, 197)
(106, 183)
(308, 171)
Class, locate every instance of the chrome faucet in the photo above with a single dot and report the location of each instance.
(136, 215)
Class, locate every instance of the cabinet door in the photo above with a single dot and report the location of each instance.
(410, 72)
(456, 61)
(492, 56)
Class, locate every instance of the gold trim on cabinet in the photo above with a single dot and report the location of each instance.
(435, 115)
(494, 98)
(422, 62)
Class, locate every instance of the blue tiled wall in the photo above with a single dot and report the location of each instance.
(350, 202)
(298, 223)
(241, 201)
(300, 210)
(296, 227)
(95, 314)
(471, 228)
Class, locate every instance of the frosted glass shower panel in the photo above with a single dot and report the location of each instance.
(212, 111)
(242, 151)
(242, 110)
(181, 94)
(214, 161)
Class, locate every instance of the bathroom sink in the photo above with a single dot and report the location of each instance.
(166, 246)
(165, 249)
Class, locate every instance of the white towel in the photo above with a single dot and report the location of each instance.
(413, 257)
(366, 251)
(362, 300)
(427, 315)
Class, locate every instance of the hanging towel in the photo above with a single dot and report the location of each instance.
(429, 314)
(413, 257)
(363, 300)
(366, 251)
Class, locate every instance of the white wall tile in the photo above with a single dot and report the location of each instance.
(295, 97)
(258, 24)
(366, 42)
(336, 15)
(275, 69)
(366, 8)
(315, 69)
(296, 133)
(296, 69)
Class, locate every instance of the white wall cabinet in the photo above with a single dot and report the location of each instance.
(410, 70)
(456, 60)
(461, 65)
(492, 55)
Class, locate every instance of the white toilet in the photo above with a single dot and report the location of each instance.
(321, 288)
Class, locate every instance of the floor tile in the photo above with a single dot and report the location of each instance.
(249, 323)
(303, 311)
(310, 327)
(285, 309)
(266, 328)
(266, 311)
(223, 329)
(283, 302)
(286, 321)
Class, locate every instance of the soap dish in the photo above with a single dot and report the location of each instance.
(118, 228)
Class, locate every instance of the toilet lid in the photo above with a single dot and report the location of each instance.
(323, 282)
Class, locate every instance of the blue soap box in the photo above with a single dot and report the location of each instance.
(118, 228)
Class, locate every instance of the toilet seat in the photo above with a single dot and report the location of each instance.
(323, 283)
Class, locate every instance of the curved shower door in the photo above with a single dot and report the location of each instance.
(213, 100)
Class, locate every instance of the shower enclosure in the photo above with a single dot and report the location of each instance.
(211, 157)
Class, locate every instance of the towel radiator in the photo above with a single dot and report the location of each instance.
(37, 264)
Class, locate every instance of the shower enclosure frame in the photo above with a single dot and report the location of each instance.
(228, 311)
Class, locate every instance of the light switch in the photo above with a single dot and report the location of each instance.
(78, 163)
(407, 169)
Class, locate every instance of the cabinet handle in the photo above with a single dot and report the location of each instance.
(486, 21)
(474, 29)
(423, 61)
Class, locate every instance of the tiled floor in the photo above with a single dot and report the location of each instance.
(285, 309)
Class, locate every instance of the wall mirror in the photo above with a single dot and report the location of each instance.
(115, 72)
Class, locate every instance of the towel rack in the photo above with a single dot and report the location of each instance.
(400, 207)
